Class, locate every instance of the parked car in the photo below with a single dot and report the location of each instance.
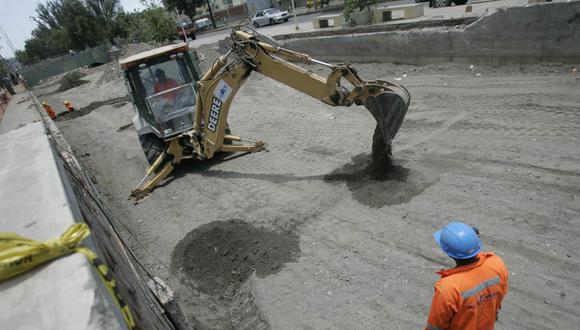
(189, 27)
(269, 16)
(203, 24)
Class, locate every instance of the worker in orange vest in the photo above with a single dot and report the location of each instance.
(69, 106)
(49, 110)
(469, 296)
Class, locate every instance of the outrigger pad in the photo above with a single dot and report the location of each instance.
(389, 110)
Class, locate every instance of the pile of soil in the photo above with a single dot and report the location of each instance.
(71, 80)
(132, 49)
(110, 73)
(222, 255)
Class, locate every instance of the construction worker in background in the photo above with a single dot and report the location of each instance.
(69, 107)
(49, 110)
(7, 83)
(469, 296)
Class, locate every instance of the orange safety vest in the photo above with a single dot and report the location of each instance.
(163, 86)
(469, 297)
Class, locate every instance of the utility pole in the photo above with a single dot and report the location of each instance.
(181, 24)
(294, 12)
(11, 46)
(212, 19)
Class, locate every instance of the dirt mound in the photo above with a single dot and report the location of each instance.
(132, 49)
(110, 73)
(207, 55)
(221, 255)
(71, 80)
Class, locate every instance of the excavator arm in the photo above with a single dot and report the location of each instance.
(251, 51)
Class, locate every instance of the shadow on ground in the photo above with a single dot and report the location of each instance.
(390, 185)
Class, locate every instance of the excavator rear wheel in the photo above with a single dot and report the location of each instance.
(153, 147)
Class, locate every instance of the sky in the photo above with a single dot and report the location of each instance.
(16, 22)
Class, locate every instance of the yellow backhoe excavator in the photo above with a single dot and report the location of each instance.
(182, 114)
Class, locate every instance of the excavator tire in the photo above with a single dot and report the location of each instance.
(153, 148)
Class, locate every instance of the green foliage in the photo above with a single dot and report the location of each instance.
(22, 55)
(65, 25)
(186, 6)
(151, 24)
(47, 43)
(3, 70)
(353, 6)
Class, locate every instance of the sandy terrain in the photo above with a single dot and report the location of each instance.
(300, 237)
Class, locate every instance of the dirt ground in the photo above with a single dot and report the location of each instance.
(300, 237)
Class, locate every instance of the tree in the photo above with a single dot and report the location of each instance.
(105, 9)
(64, 25)
(3, 69)
(23, 56)
(84, 28)
(47, 43)
(188, 7)
(105, 12)
(151, 24)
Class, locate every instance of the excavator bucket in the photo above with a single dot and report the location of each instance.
(389, 109)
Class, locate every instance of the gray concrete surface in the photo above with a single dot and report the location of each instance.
(66, 293)
(547, 32)
(17, 115)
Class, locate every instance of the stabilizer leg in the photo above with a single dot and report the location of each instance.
(170, 158)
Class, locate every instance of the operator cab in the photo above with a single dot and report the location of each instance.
(161, 84)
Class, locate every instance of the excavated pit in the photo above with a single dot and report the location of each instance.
(116, 102)
(222, 258)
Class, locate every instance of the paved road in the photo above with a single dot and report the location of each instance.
(304, 23)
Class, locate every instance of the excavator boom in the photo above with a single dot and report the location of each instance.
(387, 102)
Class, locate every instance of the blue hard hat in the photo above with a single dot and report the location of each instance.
(458, 240)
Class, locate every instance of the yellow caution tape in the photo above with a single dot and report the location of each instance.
(19, 255)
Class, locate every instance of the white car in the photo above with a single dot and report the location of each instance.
(269, 17)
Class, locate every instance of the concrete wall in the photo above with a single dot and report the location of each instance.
(43, 190)
(151, 309)
(65, 293)
(57, 65)
(547, 32)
